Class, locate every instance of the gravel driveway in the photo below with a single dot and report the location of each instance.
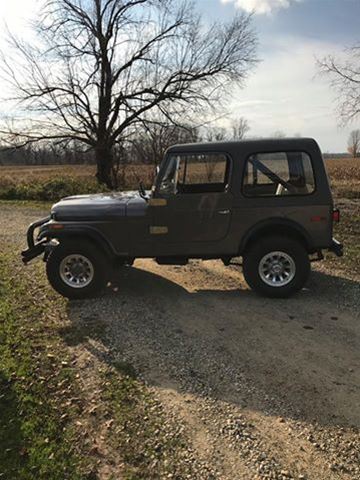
(262, 388)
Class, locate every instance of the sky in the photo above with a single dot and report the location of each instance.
(284, 92)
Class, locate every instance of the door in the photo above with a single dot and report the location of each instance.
(194, 202)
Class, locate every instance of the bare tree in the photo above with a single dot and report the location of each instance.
(354, 143)
(100, 66)
(279, 134)
(240, 127)
(215, 134)
(154, 138)
(345, 79)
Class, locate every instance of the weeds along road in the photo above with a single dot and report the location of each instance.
(258, 388)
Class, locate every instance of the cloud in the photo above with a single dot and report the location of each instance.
(16, 17)
(16, 13)
(261, 6)
(285, 93)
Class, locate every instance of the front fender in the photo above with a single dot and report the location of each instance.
(61, 230)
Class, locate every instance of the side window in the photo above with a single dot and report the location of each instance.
(196, 173)
(278, 174)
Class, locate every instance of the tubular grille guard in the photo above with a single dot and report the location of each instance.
(31, 229)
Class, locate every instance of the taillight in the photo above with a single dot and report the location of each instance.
(336, 215)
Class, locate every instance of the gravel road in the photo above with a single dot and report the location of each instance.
(262, 388)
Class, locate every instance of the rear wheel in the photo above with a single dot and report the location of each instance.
(76, 269)
(276, 266)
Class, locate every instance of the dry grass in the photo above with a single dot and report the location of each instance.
(132, 174)
(343, 168)
(52, 182)
(344, 175)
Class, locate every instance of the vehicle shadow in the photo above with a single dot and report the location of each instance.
(295, 358)
(11, 434)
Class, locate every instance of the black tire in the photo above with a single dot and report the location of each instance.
(91, 253)
(294, 249)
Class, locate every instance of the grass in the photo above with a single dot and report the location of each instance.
(41, 205)
(36, 436)
(348, 232)
(151, 450)
(150, 447)
(39, 439)
(52, 182)
(49, 190)
(344, 177)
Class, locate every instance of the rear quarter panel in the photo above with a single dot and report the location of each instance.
(312, 213)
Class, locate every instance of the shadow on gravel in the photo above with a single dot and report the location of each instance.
(11, 435)
(297, 358)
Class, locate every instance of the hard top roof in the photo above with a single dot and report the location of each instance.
(262, 144)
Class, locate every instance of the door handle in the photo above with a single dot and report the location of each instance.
(223, 212)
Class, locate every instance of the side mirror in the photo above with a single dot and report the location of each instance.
(142, 191)
(167, 187)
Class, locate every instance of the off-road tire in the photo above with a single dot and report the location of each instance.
(256, 252)
(79, 247)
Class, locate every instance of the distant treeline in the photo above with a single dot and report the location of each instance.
(336, 155)
(45, 155)
(147, 147)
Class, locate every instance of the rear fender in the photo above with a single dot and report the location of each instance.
(276, 226)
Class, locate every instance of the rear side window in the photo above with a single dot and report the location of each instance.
(278, 174)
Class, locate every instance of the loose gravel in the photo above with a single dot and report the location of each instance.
(258, 388)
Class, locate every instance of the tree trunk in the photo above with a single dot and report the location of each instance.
(104, 162)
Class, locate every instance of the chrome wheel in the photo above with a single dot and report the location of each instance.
(76, 271)
(277, 269)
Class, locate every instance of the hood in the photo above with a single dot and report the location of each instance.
(101, 206)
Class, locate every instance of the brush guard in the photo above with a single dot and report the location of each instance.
(35, 249)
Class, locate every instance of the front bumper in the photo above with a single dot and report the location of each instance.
(337, 248)
(34, 249)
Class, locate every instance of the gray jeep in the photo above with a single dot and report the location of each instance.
(267, 201)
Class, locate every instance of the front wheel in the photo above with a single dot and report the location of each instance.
(276, 266)
(76, 269)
